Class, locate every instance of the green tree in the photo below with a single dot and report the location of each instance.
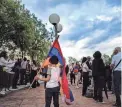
(106, 59)
(19, 29)
(71, 60)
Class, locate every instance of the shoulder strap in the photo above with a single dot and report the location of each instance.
(117, 64)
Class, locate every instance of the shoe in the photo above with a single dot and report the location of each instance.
(77, 87)
(7, 90)
(116, 105)
(14, 87)
(103, 102)
(3, 92)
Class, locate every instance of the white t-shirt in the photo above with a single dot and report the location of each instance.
(24, 64)
(7, 64)
(85, 67)
(54, 72)
(115, 60)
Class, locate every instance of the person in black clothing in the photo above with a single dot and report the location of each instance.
(98, 73)
(72, 75)
(16, 69)
(67, 69)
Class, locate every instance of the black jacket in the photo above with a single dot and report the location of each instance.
(98, 68)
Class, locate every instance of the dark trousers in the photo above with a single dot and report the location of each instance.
(72, 78)
(15, 79)
(99, 83)
(23, 77)
(52, 93)
(109, 84)
(33, 74)
(85, 82)
(117, 86)
(10, 80)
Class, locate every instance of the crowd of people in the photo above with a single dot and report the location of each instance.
(16, 72)
(91, 73)
(98, 76)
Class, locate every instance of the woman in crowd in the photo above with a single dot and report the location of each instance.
(98, 73)
(85, 70)
(67, 69)
(5, 68)
(77, 74)
(72, 75)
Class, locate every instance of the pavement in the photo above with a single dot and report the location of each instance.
(36, 98)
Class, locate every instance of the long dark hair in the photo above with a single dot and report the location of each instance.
(84, 59)
(34, 62)
(97, 55)
(3, 54)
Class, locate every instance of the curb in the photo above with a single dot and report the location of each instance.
(12, 91)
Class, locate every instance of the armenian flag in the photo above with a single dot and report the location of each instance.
(65, 90)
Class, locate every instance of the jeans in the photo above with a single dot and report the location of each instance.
(16, 78)
(117, 86)
(23, 77)
(85, 82)
(72, 78)
(52, 93)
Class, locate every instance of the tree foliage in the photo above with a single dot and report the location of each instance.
(71, 60)
(22, 29)
(106, 59)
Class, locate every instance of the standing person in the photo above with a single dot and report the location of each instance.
(98, 73)
(16, 69)
(77, 74)
(67, 70)
(72, 75)
(23, 77)
(10, 71)
(116, 65)
(81, 74)
(34, 73)
(85, 70)
(4, 66)
(28, 71)
(52, 85)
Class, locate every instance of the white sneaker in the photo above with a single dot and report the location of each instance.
(77, 87)
(103, 102)
(7, 90)
(13, 89)
(3, 92)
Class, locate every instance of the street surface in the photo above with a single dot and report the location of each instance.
(36, 98)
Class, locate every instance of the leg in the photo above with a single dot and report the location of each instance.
(117, 87)
(85, 82)
(56, 99)
(95, 89)
(33, 75)
(21, 76)
(48, 97)
(71, 78)
(74, 78)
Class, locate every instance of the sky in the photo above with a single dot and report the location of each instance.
(88, 25)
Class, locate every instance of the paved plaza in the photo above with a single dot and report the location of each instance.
(36, 98)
